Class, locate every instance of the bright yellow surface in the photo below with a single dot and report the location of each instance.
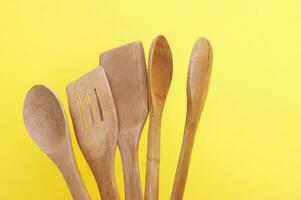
(248, 145)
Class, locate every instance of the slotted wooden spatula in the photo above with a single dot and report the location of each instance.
(126, 72)
(95, 123)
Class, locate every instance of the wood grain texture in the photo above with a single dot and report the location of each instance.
(160, 75)
(126, 72)
(46, 123)
(197, 87)
(95, 123)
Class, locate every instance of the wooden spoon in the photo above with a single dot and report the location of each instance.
(95, 123)
(126, 72)
(46, 123)
(160, 75)
(197, 87)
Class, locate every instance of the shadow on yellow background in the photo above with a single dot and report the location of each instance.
(248, 145)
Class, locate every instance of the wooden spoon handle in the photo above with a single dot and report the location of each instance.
(131, 174)
(183, 163)
(66, 163)
(153, 157)
(103, 171)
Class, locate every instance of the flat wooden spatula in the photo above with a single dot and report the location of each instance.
(126, 72)
(95, 123)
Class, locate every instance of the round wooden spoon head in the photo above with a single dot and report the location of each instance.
(45, 119)
(198, 77)
(160, 69)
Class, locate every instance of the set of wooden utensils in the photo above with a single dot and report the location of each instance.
(109, 106)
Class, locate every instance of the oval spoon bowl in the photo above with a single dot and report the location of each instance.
(44, 119)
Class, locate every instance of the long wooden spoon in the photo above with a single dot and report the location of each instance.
(95, 123)
(46, 123)
(160, 75)
(126, 72)
(197, 87)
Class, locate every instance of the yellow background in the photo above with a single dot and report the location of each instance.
(248, 145)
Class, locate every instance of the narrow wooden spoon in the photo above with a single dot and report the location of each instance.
(160, 75)
(46, 123)
(197, 87)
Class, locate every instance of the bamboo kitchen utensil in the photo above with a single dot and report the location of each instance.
(197, 87)
(46, 123)
(126, 72)
(95, 123)
(160, 74)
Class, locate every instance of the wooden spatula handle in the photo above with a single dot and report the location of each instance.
(104, 174)
(129, 156)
